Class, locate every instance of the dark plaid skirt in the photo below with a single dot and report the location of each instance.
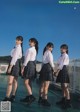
(16, 69)
(30, 70)
(63, 76)
(46, 73)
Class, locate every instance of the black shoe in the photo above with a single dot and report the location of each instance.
(67, 104)
(26, 99)
(46, 103)
(6, 99)
(31, 99)
(12, 99)
(40, 101)
(62, 101)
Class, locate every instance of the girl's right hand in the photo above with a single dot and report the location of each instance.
(22, 71)
(9, 69)
(56, 73)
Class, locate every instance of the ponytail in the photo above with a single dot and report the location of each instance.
(44, 50)
(67, 51)
(22, 48)
(50, 44)
(36, 46)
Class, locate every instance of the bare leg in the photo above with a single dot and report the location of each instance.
(41, 90)
(28, 87)
(9, 87)
(30, 83)
(15, 85)
(63, 90)
(67, 103)
(66, 89)
(46, 86)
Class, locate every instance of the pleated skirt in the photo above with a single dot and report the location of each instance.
(63, 76)
(46, 73)
(30, 70)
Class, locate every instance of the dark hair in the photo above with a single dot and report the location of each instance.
(64, 46)
(36, 43)
(21, 39)
(50, 44)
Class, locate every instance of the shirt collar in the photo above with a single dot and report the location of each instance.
(63, 54)
(18, 45)
(33, 47)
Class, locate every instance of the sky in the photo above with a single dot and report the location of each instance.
(46, 20)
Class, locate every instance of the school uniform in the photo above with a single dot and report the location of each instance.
(47, 67)
(30, 63)
(16, 55)
(63, 62)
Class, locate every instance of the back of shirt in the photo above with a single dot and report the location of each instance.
(30, 55)
(63, 60)
(48, 58)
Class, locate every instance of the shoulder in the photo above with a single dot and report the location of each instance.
(18, 47)
(66, 55)
(49, 52)
(29, 50)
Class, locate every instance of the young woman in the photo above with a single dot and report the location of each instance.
(63, 77)
(46, 74)
(29, 69)
(14, 69)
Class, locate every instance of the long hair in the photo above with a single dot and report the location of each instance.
(64, 46)
(21, 39)
(50, 44)
(36, 43)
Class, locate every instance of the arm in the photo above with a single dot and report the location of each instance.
(27, 59)
(15, 56)
(50, 58)
(64, 61)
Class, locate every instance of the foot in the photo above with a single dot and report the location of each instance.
(25, 100)
(6, 99)
(12, 99)
(31, 99)
(46, 103)
(67, 104)
(62, 101)
(40, 100)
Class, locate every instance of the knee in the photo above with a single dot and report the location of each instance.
(15, 80)
(45, 88)
(26, 83)
(10, 84)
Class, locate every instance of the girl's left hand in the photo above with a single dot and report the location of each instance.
(57, 73)
(9, 69)
(22, 71)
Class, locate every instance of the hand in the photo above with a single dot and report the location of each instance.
(54, 74)
(57, 72)
(9, 69)
(22, 71)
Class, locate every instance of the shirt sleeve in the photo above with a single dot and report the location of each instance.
(64, 61)
(15, 55)
(50, 58)
(27, 57)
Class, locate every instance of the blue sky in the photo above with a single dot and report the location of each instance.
(46, 20)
